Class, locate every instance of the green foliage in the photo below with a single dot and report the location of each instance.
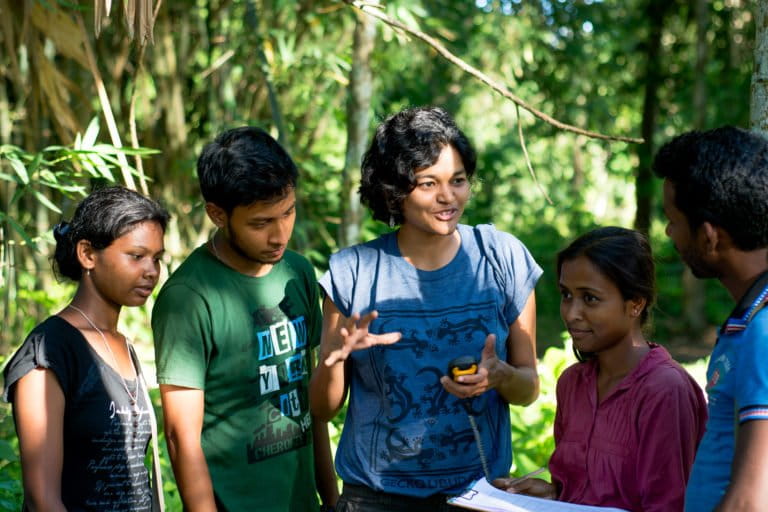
(38, 184)
(532, 441)
(62, 169)
(11, 492)
(285, 65)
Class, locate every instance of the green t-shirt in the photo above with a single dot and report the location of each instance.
(247, 342)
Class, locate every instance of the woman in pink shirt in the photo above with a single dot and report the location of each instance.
(629, 418)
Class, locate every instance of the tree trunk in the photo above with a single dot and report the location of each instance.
(358, 120)
(644, 179)
(171, 89)
(758, 106)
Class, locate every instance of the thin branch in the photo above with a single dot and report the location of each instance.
(132, 127)
(527, 157)
(500, 88)
(223, 58)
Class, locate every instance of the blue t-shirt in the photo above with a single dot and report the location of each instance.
(737, 387)
(403, 432)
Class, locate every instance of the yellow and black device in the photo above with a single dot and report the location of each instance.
(468, 365)
(464, 365)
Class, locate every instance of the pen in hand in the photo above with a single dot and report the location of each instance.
(528, 485)
(519, 479)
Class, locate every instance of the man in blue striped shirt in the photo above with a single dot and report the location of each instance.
(716, 202)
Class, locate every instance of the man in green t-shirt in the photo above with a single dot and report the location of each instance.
(235, 327)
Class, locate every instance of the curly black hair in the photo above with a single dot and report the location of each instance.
(404, 143)
(720, 176)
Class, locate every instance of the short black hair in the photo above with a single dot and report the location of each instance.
(242, 166)
(720, 176)
(104, 215)
(404, 143)
(622, 255)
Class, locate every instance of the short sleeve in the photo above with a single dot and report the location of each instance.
(340, 279)
(751, 392)
(48, 346)
(181, 327)
(518, 271)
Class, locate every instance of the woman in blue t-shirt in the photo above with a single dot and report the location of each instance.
(399, 308)
(80, 405)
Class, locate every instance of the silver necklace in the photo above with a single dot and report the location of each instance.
(132, 396)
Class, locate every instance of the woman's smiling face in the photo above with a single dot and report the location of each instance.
(437, 202)
(594, 311)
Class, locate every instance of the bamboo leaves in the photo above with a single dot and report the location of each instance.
(63, 169)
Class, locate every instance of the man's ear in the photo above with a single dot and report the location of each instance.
(217, 214)
(714, 238)
(86, 254)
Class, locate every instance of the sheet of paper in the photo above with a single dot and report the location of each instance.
(483, 496)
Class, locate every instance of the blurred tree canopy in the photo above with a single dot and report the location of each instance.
(319, 74)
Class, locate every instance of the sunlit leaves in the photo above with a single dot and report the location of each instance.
(56, 170)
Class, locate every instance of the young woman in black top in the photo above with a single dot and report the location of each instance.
(79, 404)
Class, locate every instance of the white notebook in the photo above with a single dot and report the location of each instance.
(483, 496)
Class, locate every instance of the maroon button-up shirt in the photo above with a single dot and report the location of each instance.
(635, 448)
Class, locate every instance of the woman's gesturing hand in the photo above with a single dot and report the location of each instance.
(354, 335)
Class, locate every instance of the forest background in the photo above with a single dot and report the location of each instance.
(131, 96)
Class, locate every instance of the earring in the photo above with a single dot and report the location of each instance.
(88, 272)
(391, 221)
